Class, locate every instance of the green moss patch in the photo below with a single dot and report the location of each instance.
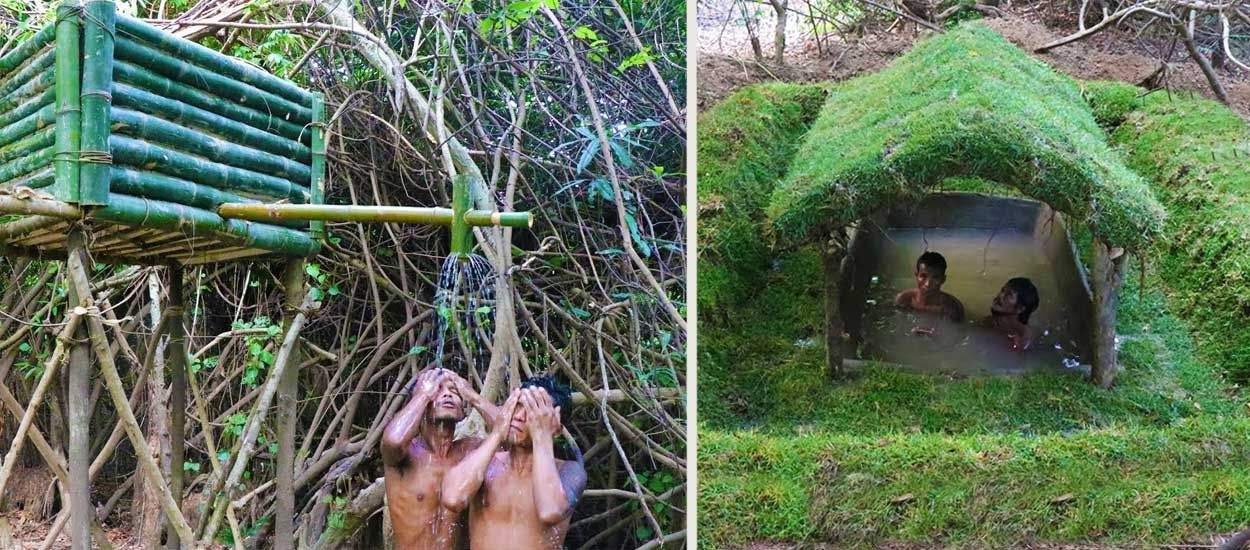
(1115, 485)
(745, 145)
(965, 102)
(1198, 154)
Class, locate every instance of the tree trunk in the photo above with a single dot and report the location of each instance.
(1107, 276)
(1187, 37)
(148, 525)
(779, 32)
(294, 283)
(753, 33)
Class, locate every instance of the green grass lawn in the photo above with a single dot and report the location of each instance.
(787, 455)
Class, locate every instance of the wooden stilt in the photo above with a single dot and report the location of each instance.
(78, 399)
(177, 394)
(99, 342)
(1106, 279)
(295, 283)
(831, 258)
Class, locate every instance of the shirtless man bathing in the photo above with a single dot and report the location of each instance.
(519, 495)
(418, 449)
(928, 296)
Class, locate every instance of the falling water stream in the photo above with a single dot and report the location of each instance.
(464, 304)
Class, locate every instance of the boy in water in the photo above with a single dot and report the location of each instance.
(928, 296)
(1010, 311)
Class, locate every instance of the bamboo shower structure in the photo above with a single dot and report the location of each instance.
(125, 141)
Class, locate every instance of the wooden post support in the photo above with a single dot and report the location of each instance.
(295, 285)
(112, 382)
(177, 362)
(79, 398)
(1107, 276)
(831, 259)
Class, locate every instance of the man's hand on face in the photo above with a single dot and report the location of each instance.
(428, 381)
(542, 420)
(506, 411)
(462, 386)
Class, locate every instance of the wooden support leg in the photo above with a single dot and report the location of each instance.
(1107, 277)
(295, 283)
(99, 341)
(247, 443)
(78, 399)
(831, 258)
(177, 394)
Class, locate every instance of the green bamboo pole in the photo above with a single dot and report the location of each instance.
(97, 89)
(25, 165)
(29, 144)
(177, 362)
(317, 181)
(485, 218)
(200, 55)
(155, 130)
(68, 121)
(25, 127)
(144, 155)
(369, 213)
(146, 79)
(26, 49)
(183, 71)
(35, 66)
(196, 222)
(36, 86)
(151, 185)
(194, 117)
(46, 97)
(461, 233)
(336, 212)
(36, 180)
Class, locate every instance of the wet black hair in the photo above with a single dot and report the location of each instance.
(561, 394)
(933, 260)
(1026, 296)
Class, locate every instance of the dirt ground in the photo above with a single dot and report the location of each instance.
(28, 534)
(725, 61)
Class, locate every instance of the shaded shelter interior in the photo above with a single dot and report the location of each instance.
(986, 240)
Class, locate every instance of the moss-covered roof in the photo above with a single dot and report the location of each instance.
(965, 102)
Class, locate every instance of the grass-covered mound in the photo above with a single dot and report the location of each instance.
(965, 102)
(1198, 154)
(784, 455)
(745, 145)
(1134, 485)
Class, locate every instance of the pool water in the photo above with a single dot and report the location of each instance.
(979, 262)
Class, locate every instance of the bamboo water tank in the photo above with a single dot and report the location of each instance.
(141, 135)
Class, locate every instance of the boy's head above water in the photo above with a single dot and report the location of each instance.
(1018, 297)
(930, 272)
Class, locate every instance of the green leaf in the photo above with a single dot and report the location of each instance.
(636, 60)
(417, 350)
(643, 246)
(190, 466)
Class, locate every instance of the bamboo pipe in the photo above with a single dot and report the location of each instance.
(358, 213)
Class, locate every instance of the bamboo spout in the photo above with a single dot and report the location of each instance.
(354, 213)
